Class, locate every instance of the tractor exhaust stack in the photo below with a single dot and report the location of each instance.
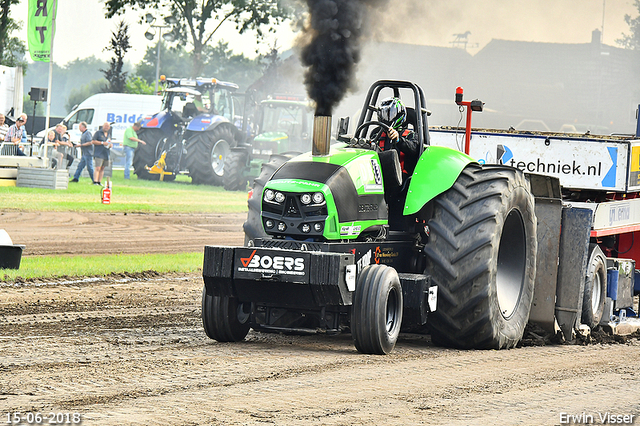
(321, 135)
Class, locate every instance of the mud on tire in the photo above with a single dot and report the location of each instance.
(223, 318)
(482, 254)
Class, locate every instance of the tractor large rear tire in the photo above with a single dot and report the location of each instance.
(482, 255)
(595, 287)
(253, 225)
(376, 314)
(145, 155)
(223, 318)
(235, 166)
(206, 153)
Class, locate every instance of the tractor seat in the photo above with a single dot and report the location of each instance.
(189, 110)
(391, 169)
(411, 118)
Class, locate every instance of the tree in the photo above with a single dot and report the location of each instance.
(119, 44)
(27, 107)
(220, 62)
(198, 21)
(12, 49)
(138, 86)
(77, 95)
(632, 41)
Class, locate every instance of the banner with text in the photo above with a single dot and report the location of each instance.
(40, 28)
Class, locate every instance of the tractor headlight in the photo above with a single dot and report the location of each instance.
(282, 227)
(318, 198)
(279, 197)
(306, 228)
(269, 223)
(305, 198)
(317, 227)
(269, 195)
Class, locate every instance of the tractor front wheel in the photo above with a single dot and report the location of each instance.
(223, 318)
(376, 313)
(234, 176)
(206, 153)
(145, 155)
(482, 255)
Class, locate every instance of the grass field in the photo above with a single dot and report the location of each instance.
(127, 196)
(131, 195)
(91, 266)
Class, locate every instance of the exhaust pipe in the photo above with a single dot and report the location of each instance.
(321, 135)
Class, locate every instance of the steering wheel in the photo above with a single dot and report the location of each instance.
(376, 137)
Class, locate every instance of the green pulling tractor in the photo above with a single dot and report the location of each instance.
(338, 241)
(284, 126)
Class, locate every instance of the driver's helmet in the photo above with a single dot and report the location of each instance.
(392, 112)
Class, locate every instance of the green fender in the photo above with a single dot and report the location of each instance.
(437, 170)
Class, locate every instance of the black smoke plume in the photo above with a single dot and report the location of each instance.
(335, 30)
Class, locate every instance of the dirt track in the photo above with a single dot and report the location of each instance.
(133, 352)
(71, 233)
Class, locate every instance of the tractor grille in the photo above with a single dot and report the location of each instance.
(293, 218)
(290, 245)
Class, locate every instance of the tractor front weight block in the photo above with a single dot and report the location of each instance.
(284, 278)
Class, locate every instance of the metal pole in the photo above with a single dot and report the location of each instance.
(53, 32)
(158, 58)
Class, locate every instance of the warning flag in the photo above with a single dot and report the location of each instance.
(40, 28)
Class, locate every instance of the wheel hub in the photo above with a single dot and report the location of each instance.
(512, 258)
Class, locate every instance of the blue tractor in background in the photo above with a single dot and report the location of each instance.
(194, 132)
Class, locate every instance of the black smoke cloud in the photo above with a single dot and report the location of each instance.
(335, 32)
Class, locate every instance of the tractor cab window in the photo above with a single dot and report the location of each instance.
(223, 104)
(293, 120)
(203, 102)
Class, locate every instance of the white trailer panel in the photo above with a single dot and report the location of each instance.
(603, 164)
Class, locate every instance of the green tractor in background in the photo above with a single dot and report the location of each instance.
(337, 240)
(284, 124)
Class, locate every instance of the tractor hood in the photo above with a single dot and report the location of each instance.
(338, 196)
(156, 120)
(203, 122)
(271, 137)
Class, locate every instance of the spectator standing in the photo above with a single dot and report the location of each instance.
(86, 145)
(101, 144)
(130, 143)
(64, 147)
(3, 127)
(16, 133)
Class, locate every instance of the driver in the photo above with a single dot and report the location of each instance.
(197, 101)
(393, 113)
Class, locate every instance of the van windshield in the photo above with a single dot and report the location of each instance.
(85, 115)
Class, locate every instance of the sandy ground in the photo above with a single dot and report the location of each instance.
(122, 351)
(71, 233)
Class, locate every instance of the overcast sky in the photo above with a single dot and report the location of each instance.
(82, 30)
